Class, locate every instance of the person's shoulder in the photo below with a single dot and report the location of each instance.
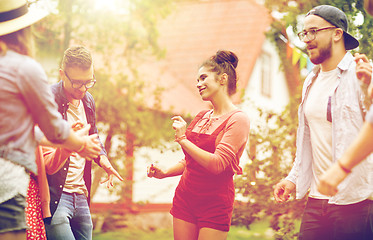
(89, 97)
(239, 117)
(89, 101)
(348, 63)
(28, 66)
(239, 114)
(56, 88)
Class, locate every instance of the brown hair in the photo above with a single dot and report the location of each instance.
(20, 41)
(76, 56)
(224, 62)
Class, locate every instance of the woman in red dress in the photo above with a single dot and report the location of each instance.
(212, 144)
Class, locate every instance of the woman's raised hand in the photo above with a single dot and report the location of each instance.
(156, 172)
(179, 125)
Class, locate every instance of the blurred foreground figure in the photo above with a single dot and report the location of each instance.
(49, 160)
(26, 100)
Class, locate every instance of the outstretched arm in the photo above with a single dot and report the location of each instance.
(360, 148)
(157, 172)
(54, 155)
(109, 169)
(89, 148)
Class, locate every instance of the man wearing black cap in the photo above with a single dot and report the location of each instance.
(362, 146)
(330, 116)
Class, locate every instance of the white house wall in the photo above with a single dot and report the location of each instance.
(279, 90)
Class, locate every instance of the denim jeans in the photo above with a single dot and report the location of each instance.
(323, 221)
(12, 214)
(72, 219)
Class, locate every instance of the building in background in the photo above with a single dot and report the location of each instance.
(193, 32)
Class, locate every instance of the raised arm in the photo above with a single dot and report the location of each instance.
(360, 148)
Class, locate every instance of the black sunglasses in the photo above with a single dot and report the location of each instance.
(88, 84)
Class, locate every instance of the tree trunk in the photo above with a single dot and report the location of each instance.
(128, 191)
(66, 6)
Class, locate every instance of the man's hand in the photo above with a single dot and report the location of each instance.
(282, 190)
(363, 68)
(92, 147)
(109, 169)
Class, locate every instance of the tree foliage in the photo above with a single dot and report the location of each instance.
(272, 150)
(120, 39)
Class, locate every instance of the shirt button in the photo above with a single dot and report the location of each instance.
(61, 186)
(64, 169)
(55, 202)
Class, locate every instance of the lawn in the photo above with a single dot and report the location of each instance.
(258, 231)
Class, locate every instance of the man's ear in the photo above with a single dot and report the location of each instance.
(338, 34)
(61, 72)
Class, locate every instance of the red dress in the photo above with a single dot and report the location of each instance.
(204, 198)
(34, 219)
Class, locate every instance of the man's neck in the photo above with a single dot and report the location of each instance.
(75, 102)
(333, 61)
(71, 100)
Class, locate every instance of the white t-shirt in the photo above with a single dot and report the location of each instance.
(320, 127)
(74, 181)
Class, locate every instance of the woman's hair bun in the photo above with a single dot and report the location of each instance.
(226, 56)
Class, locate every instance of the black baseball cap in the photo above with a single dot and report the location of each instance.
(337, 18)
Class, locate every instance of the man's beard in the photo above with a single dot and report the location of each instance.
(324, 54)
(77, 96)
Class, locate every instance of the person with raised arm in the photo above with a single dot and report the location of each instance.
(212, 144)
(26, 100)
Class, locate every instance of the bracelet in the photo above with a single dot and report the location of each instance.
(81, 148)
(346, 170)
(178, 139)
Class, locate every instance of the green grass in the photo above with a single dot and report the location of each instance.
(257, 232)
(135, 234)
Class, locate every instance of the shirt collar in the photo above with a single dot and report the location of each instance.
(342, 65)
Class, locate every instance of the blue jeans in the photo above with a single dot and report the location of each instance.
(72, 219)
(323, 221)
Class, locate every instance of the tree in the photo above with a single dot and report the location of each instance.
(120, 40)
(272, 150)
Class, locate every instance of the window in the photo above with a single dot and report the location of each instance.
(266, 75)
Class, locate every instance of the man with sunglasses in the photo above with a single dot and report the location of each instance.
(70, 186)
(330, 116)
